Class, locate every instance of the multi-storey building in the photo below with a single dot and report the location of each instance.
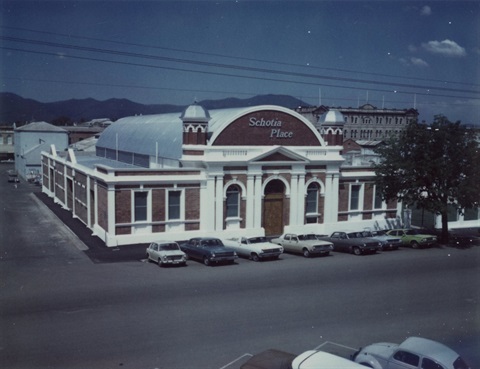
(366, 122)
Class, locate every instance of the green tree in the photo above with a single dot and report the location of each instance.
(432, 167)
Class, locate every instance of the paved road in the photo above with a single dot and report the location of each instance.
(61, 307)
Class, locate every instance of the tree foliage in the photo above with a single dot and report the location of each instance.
(432, 167)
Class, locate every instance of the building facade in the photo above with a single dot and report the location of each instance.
(260, 170)
(366, 122)
(30, 140)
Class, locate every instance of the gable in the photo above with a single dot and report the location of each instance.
(279, 154)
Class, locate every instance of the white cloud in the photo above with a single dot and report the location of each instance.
(426, 10)
(419, 62)
(445, 48)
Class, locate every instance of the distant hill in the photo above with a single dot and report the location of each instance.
(14, 108)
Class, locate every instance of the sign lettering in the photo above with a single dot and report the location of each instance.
(274, 124)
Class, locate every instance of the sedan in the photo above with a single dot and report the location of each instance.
(414, 238)
(166, 253)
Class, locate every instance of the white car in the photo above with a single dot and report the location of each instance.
(254, 248)
(165, 253)
(306, 244)
(414, 352)
(312, 359)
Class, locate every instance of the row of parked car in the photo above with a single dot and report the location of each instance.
(211, 250)
(414, 352)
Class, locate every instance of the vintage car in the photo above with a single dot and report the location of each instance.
(414, 237)
(353, 242)
(305, 244)
(387, 242)
(414, 352)
(254, 248)
(165, 253)
(312, 359)
(208, 250)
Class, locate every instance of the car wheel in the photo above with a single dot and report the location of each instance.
(306, 253)
(415, 245)
(255, 257)
(206, 261)
(159, 262)
(357, 251)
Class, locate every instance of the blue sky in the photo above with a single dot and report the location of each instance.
(393, 54)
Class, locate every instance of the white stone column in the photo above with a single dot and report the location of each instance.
(250, 201)
(301, 199)
(111, 214)
(219, 203)
(89, 199)
(207, 205)
(331, 197)
(293, 200)
(258, 202)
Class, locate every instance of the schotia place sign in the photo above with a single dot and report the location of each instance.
(275, 126)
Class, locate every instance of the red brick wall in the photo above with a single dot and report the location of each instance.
(102, 206)
(123, 206)
(282, 129)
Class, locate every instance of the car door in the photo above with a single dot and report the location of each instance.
(154, 251)
(289, 243)
(402, 359)
(338, 240)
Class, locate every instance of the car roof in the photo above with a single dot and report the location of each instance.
(314, 359)
(429, 348)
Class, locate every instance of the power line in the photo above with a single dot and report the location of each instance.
(234, 75)
(239, 57)
(230, 66)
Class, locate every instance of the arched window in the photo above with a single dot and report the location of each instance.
(233, 202)
(311, 202)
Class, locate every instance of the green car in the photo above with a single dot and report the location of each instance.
(413, 238)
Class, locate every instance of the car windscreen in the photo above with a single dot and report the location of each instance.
(305, 237)
(169, 247)
(212, 243)
(257, 239)
(355, 235)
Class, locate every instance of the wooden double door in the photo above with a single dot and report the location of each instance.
(273, 208)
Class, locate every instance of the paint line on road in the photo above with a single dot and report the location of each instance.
(234, 361)
(335, 344)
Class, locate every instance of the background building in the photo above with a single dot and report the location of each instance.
(366, 122)
(30, 140)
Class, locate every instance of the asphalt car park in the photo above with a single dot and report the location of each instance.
(73, 303)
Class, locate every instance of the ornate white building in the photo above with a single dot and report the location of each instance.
(260, 170)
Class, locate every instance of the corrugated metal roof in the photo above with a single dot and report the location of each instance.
(145, 134)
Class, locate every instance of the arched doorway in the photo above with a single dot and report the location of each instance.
(273, 208)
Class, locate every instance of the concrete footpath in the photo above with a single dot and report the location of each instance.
(97, 251)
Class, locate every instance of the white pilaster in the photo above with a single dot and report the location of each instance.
(258, 202)
(207, 205)
(331, 198)
(111, 210)
(301, 199)
(250, 201)
(293, 200)
(219, 203)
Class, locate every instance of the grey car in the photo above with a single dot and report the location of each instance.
(414, 352)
